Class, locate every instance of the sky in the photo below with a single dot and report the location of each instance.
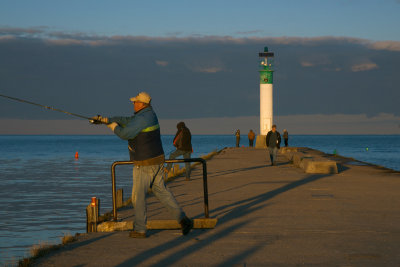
(368, 19)
(335, 59)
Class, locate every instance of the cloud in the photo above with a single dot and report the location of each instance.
(249, 32)
(312, 41)
(43, 32)
(91, 74)
(364, 67)
(204, 64)
(21, 31)
(75, 35)
(161, 63)
(7, 37)
(333, 69)
(386, 45)
(176, 33)
(65, 42)
(307, 64)
(316, 61)
(208, 69)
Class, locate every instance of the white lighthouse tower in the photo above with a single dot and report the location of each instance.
(266, 65)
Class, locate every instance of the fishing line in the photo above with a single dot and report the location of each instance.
(47, 107)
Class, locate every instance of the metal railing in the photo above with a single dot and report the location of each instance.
(205, 187)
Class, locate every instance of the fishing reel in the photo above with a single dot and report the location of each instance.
(98, 120)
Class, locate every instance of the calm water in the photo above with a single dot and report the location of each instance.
(44, 190)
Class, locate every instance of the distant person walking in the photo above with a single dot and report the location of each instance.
(251, 136)
(237, 134)
(142, 132)
(286, 137)
(183, 144)
(273, 143)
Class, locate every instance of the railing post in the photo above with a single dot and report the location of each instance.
(120, 198)
(92, 215)
(114, 193)
(205, 187)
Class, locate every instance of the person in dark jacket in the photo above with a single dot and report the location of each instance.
(183, 144)
(142, 132)
(273, 143)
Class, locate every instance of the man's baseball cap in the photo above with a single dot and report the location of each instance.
(141, 97)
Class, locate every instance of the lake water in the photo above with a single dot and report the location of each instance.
(45, 190)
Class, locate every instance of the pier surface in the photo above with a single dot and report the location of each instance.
(267, 216)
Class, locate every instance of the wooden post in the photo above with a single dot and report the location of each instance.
(92, 215)
(176, 169)
(120, 198)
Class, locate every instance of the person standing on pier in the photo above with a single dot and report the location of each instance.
(183, 144)
(142, 132)
(273, 143)
(237, 134)
(286, 137)
(251, 136)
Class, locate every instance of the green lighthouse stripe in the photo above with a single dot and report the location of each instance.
(266, 77)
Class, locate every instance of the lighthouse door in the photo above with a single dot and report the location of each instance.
(266, 125)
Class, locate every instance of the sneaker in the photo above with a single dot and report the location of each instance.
(135, 234)
(186, 224)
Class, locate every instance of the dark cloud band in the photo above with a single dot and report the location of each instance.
(194, 77)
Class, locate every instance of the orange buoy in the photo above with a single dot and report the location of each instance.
(93, 203)
(76, 155)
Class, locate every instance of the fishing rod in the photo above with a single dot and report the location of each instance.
(92, 120)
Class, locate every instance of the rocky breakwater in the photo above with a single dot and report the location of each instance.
(310, 160)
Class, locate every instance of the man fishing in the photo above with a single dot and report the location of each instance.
(145, 148)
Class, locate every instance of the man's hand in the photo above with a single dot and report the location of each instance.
(99, 120)
(112, 126)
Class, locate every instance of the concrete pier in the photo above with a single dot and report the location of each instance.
(267, 216)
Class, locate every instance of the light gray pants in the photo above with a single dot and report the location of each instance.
(186, 155)
(272, 154)
(142, 178)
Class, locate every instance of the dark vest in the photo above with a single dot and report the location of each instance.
(146, 145)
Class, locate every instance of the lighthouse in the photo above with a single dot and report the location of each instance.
(266, 70)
